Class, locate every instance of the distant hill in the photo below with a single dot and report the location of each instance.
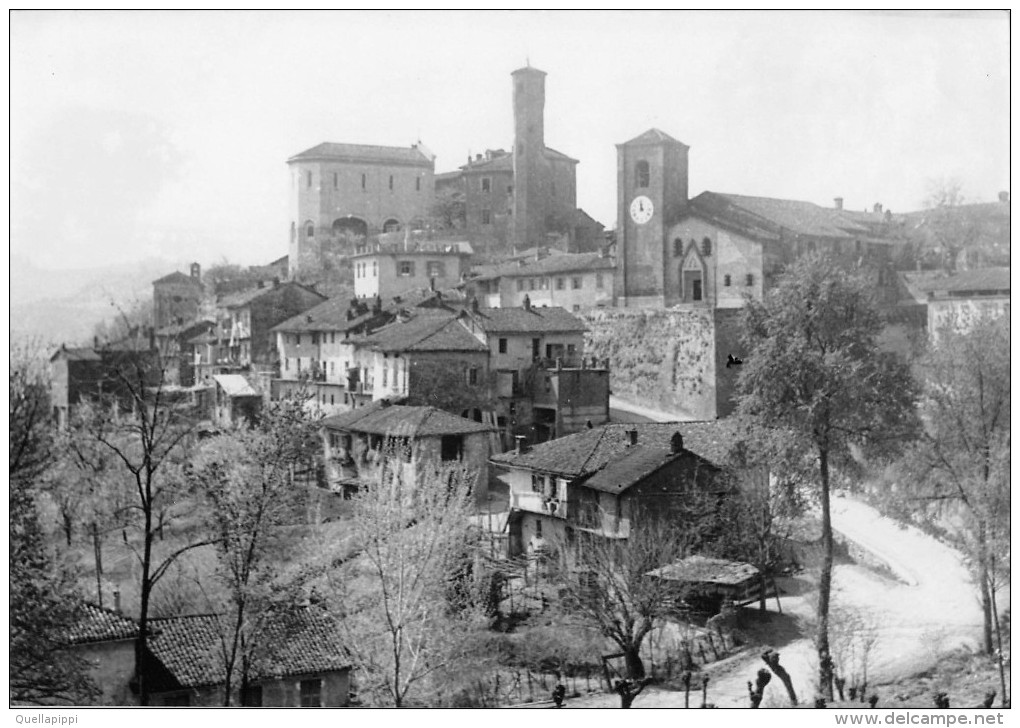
(56, 306)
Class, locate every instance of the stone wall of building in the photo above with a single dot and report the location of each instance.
(658, 358)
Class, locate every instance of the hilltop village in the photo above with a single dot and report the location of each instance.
(474, 321)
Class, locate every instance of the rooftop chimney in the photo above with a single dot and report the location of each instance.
(474, 304)
(196, 271)
(632, 434)
(116, 600)
(521, 445)
(839, 202)
(878, 207)
(527, 302)
(676, 443)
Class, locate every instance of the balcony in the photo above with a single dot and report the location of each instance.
(538, 503)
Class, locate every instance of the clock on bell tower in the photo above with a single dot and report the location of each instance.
(651, 196)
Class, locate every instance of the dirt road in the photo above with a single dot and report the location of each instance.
(930, 607)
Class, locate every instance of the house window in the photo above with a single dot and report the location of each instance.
(538, 527)
(385, 376)
(486, 184)
(309, 230)
(406, 268)
(575, 283)
(571, 350)
(332, 337)
(706, 246)
(727, 280)
(311, 693)
(331, 399)
(315, 339)
(417, 184)
(309, 178)
(297, 339)
(391, 182)
(537, 483)
(364, 181)
(435, 269)
(486, 217)
(560, 284)
(332, 367)
(598, 281)
(336, 181)
(520, 284)
(641, 174)
(678, 248)
(375, 268)
(544, 284)
(473, 376)
(502, 346)
(750, 279)
(531, 284)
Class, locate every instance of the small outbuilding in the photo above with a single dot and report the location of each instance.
(709, 582)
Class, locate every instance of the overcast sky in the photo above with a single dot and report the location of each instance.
(139, 134)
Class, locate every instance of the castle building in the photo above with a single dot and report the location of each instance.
(524, 198)
(345, 192)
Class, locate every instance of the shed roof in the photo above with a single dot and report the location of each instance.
(235, 385)
(705, 570)
(979, 280)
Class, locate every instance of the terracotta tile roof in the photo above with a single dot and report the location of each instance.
(189, 648)
(178, 277)
(521, 321)
(984, 280)
(587, 452)
(551, 153)
(96, 624)
(549, 265)
(365, 153)
(504, 163)
(329, 315)
(424, 331)
(654, 136)
(243, 298)
(705, 570)
(386, 419)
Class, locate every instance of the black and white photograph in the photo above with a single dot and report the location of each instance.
(526, 359)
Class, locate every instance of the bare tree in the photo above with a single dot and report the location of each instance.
(410, 524)
(147, 435)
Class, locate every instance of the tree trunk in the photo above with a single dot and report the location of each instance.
(635, 667)
(986, 599)
(764, 591)
(141, 645)
(825, 581)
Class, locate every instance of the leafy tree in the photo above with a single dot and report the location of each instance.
(410, 524)
(761, 513)
(245, 476)
(43, 604)
(449, 210)
(606, 584)
(148, 446)
(815, 380)
(960, 468)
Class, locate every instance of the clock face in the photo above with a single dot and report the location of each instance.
(641, 210)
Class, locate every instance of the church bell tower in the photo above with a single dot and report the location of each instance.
(529, 150)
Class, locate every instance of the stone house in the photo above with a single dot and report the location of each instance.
(387, 270)
(176, 298)
(607, 479)
(959, 300)
(357, 443)
(300, 663)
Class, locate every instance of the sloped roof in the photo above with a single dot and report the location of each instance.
(366, 153)
(769, 216)
(551, 153)
(982, 279)
(243, 298)
(235, 385)
(76, 354)
(185, 328)
(189, 649)
(386, 419)
(587, 452)
(330, 315)
(705, 570)
(448, 176)
(178, 277)
(502, 163)
(426, 330)
(96, 624)
(629, 469)
(653, 136)
(521, 321)
(549, 265)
